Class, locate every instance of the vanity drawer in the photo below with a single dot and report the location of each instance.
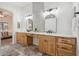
(61, 52)
(65, 46)
(31, 35)
(66, 40)
(43, 37)
(35, 35)
(23, 34)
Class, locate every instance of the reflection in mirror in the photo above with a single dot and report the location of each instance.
(29, 23)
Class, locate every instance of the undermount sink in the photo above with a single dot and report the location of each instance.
(49, 31)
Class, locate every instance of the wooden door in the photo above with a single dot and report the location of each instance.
(43, 43)
(29, 40)
(51, 46)
(23, 39)
(18, 38)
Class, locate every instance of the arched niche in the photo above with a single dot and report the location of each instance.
(6, 24)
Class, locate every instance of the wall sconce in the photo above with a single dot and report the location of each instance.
(29, 17)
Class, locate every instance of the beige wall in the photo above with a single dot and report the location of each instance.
(9, 20)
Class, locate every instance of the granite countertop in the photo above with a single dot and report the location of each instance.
(51, 34)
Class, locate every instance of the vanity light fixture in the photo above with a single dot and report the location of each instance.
(50, 11)
(75, 11)
(46, 13)
(29, 17)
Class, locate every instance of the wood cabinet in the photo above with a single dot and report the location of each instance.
(59, 46)
(24, 39)
(51, 45)
(65, 46)
(42, 44)
(47, 44)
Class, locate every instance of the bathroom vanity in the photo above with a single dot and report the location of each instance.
(43, 26)
(51, 44)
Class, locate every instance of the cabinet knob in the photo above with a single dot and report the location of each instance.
(45, 40)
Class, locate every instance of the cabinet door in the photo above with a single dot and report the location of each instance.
(51, 46)
(29, 40)
(18, 37)
(42, 44)
(45, 45)
(23, 39)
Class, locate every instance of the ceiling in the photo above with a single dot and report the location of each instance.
(16, 3)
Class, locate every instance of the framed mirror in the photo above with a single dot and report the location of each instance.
(51, 23)
(29, 23)
(50, 20)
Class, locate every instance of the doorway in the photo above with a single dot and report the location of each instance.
(6, 27)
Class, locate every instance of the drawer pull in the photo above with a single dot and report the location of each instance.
(63, 41)
(64, 48)
(45, 40)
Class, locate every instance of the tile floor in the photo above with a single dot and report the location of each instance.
(8, 49)
(18, 50)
